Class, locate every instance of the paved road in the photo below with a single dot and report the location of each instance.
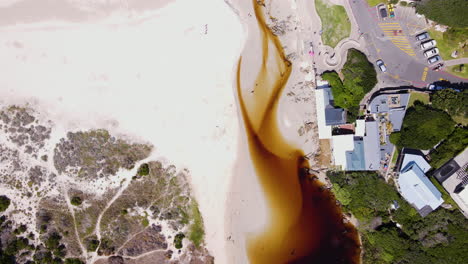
(389, 40)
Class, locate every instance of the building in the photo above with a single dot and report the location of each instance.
(392, 104)
(358, 153)
(453, 176)
(415, 187)
(327, 115)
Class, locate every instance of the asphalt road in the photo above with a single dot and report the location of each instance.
(403, 64)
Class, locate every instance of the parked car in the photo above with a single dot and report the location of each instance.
(431, 52)
(422, 36)
(428, 44)
(381, 65)
(383, 11)
(433, 59)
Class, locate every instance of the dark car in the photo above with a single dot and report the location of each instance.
(383, 11)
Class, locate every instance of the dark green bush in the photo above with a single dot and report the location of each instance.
(143, 170)
(76, 201)
(4, 203)
(178, 240)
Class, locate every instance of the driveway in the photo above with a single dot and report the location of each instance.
(392, 41)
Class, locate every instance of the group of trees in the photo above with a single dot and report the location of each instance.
(423, 127)
(449, 148)
(455, 103)
(16, 246)
(447, 12)
(440, 237)
(359, 77)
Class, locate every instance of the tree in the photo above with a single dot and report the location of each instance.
(424, 127)
(453, 102)
(359, 78)
(447, 12)
(4, 203)
(454, 144)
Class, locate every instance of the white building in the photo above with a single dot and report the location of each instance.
(415, 187)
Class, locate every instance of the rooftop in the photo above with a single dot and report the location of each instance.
(418, 190)
(410, 159)
(371, 146)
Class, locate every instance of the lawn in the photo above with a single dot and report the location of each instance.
(455, 70)
(335, 22)
(417, 96)
(374, 2)
(446, 47)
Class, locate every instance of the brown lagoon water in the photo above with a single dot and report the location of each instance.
(306, 224)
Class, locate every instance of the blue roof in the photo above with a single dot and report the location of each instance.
(355, 159)
(417, 189)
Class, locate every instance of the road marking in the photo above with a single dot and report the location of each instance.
(424, 74)
(395, 33)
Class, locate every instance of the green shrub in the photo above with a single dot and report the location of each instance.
(453, 102)
(73, 261)
(4, 203)
(449, 148)
(143, 170)
(196, 230)
(76, 201)
(403, 3)
(447, 12)
(359, 78)
(178, 240)
(92, 245)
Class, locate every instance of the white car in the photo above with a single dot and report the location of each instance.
(433, 59)
(431, 52)
(422, 36)
(381, 65)
(428, 44)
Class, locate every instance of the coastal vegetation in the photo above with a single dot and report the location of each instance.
(4, 203)
(335, 22)
(440, 237)
(450, 147)
(455, 103)
(451, 13)
(423, 127)
(359, 77)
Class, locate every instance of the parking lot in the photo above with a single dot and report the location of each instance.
(392, 39)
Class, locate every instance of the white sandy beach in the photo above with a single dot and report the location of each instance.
(158, 75)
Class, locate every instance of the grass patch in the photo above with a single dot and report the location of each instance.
(196, 231)
(374, 2)
(395, 155)
(335, 22)
(460, 70)
(417, 96)
(445, 195)
(447, 43)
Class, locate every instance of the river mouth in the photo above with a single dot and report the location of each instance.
(306, 224)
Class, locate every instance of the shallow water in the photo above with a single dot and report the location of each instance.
(306, 225)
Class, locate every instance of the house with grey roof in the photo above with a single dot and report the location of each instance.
(392, 104)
